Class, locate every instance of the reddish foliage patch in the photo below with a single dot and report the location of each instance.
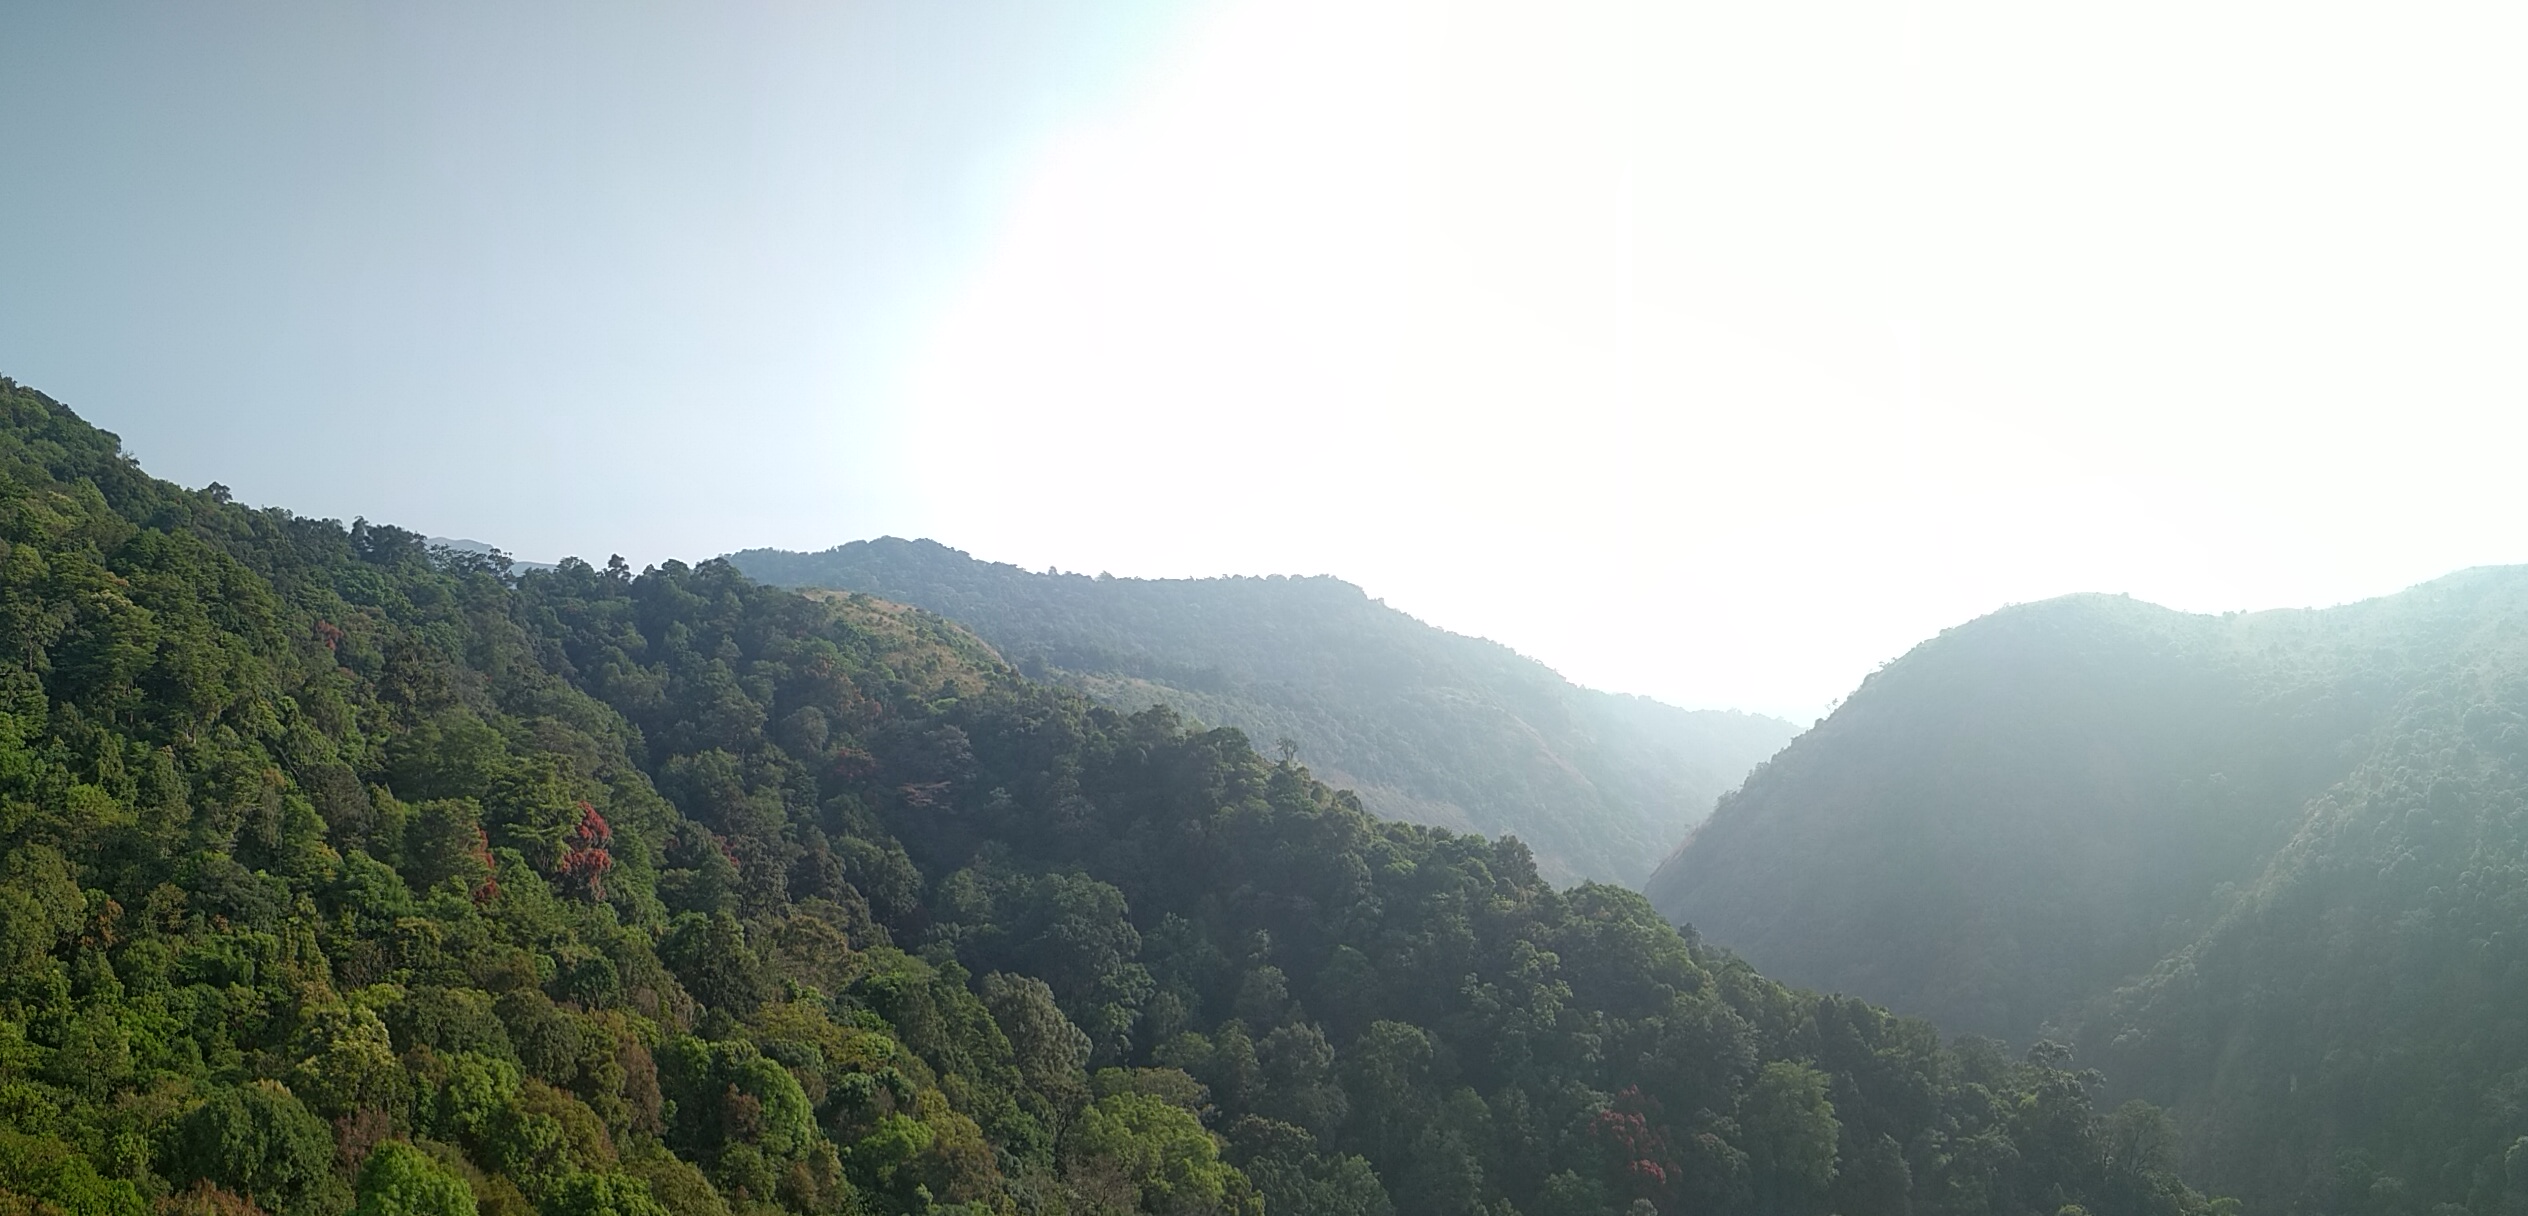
(1632, 1135)
(585, 864)
(852, 764)
(357, 1134)
(489, 889)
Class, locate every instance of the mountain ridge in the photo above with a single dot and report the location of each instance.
(1428, 725)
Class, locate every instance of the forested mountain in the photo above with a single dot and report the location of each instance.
(1425, 725)
(348, 874)
(2271, 869)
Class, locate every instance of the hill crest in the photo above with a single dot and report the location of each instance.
(1426, 725)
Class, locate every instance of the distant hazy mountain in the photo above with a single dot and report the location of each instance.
(487, 549)
(2271, 869)
(1426, 725)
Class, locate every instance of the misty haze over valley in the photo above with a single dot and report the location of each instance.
(1243, 608)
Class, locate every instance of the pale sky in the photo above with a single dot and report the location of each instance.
(1713, 352)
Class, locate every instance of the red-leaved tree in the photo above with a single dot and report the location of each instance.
(1645, 1164)
(586, 861)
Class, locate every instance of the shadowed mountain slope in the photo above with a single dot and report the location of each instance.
(2266, 867)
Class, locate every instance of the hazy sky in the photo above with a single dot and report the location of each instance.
(1718, 352)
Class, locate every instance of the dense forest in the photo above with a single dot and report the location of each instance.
(1424, 725)
(348, 875)
(2266, 869)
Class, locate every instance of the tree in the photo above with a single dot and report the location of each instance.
(602, 1195)
(351, 1063)
(58, 1178)
(1790, 1136)
(709, 954)
(1170, 1165)
(39, 905)
(400, 1180)
(1049, 1050)
(257, 1140)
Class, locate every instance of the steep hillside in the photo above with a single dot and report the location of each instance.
(346, 873)
(2265, 867)
(1425, 725)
